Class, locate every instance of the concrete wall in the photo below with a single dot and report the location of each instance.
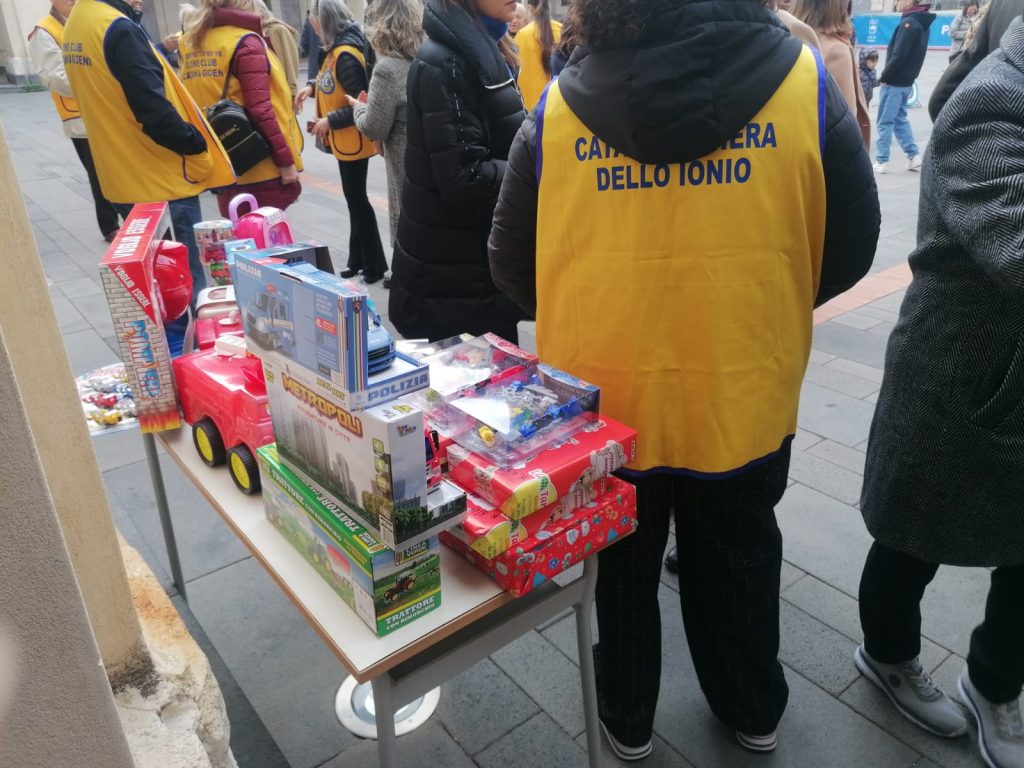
(61, 711)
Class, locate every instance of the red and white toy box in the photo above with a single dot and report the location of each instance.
(565, 473)
(553, 544)
(127, 274)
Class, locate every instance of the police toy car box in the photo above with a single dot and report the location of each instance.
(319, 321)
(127, 272)
(387, 589)
(371, 462)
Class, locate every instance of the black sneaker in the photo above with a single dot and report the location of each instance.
(347, 273)
(624, 752)
(672, 560)
(760, 744)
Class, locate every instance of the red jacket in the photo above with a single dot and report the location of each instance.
(252, 68)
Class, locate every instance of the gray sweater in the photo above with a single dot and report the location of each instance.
(382, 119)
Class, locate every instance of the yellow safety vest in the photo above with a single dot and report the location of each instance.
(685, 290)
(532, 76)
(203, 72)
(131, 166)
(67, 107)
(346, 143)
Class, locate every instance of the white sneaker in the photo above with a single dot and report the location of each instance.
(758, 743)
(628, 754)
(913, 692)
(914, 163)
(1000, 729)
(881, 168)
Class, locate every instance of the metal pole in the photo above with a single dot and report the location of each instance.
(384, 705)
(165, 514)
(587, 677)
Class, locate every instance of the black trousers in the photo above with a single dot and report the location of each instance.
(730, 558)
(891, 589)
(106, 216)
(365, 252)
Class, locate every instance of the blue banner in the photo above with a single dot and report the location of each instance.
(875, 30)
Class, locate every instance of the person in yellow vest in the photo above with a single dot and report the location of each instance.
(224, 47)
(536, 42)
(343, 73)
(671, 216)
(149, 140)
(44, 46)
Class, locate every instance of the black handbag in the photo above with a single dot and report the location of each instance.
(245, 146)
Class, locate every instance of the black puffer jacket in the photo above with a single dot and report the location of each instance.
(694, 79)
(464, 111)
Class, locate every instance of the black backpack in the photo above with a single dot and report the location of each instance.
(245, 146)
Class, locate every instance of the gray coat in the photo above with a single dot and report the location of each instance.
(383, 119)
(944, 480)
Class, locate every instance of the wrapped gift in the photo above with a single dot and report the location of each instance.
(566, 472)
(555, 542)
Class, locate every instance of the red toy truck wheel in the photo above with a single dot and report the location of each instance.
(208, 442)
(244, 470)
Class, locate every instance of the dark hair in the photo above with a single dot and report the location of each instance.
(613, 23)
(542, 18)
(567, 42)
(508, 48)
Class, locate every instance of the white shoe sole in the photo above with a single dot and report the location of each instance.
(762, 745)
(866, 669)
(966, 698)
(629, 754)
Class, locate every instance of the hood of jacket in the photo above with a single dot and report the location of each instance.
(699, 72)
(232, 17)
(450, 26)
(273, 23)
(352, 35)
(920, 14)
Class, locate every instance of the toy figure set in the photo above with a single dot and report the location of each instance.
(107, 399)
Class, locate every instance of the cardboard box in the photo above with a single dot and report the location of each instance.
(316, 320)
(373, 462)
(387, 589)
(550, 545)
(127, 274)
(564, 472)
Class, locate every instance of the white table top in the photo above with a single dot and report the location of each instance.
(466, 594)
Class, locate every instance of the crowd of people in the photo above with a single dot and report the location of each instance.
(669, 187)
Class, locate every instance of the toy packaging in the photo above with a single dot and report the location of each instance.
(211, 237)
(316, 320)
(549, 545)
(518, 416)
(475, 362)
(387, 589)
(565, 473)
(127, 271)
(372, 461)
(107, 399)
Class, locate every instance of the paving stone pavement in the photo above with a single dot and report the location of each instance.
(522, 707)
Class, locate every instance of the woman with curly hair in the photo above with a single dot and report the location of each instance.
(643, 193)
(395, 34)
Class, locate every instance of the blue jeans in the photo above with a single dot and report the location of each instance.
(892, 116)
(185, 214)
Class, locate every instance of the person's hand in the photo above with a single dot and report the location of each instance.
(170, 43)
(352, 102)
(301, 97)
(321, 128)
(289, 175)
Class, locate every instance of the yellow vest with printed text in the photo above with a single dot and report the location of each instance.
(345, 143)
(203, 71)
(67, 107)
(133, 168)
(685, 291)
(533, 76)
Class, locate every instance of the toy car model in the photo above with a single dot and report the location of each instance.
(404, 584)
(103, 400)
(107, 418)
(224, 397)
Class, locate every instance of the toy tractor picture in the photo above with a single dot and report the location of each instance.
(268, 320)
(405, 584)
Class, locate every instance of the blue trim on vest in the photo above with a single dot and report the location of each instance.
(539, 141)
(822, 95)
(627, 474)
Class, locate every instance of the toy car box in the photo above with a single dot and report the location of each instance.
(550, 545)
(316, 320)
(372, 462)
(127, 274)
(564, 473)
(519, 416)
(387, 589)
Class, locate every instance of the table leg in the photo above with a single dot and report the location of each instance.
(385, 707)
(585, 642)
(162, 509)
